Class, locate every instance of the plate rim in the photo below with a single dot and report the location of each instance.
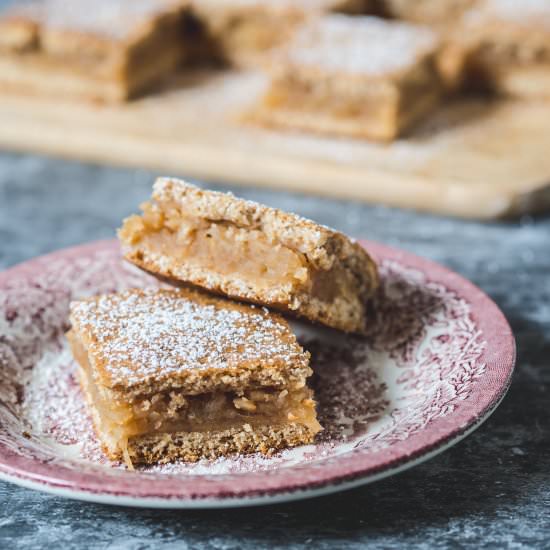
(242, 502)
(350, 471)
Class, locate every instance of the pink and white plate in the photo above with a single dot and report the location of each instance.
(436, 366)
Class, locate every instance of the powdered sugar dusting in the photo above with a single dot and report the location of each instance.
(142, 335)
(61, 414)
(360, 45)
(55, 409)
(111, 18)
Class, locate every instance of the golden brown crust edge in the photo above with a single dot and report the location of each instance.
(194, 446)
(31, 49)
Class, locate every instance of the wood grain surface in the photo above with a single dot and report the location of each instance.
(473, 158)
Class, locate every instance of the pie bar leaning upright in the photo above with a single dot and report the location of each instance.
(360, 77)
(178, 374)
(106, 50)
(253, 253)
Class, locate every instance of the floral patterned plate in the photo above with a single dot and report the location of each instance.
(437, 363)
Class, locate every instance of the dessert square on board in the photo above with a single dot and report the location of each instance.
(509, 46)
(361, 77)
(109, 50)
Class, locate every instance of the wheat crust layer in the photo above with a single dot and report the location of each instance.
(195, 446)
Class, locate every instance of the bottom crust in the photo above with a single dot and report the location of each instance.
(193, 446)
(45, 77)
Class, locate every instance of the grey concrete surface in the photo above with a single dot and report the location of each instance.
(490, 491)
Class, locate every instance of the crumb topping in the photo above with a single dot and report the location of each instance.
(360, 45)
(142, 335)
(164, 187)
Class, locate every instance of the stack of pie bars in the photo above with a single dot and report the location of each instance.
(207, 366)
(367, 69)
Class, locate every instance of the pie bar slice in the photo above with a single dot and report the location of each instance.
(178, 374)
(251, 252)
(110, 50)
(509, 45)
(242, 31)
(360, 77)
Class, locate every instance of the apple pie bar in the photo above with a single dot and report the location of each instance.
(361, 77)
(509, 46)
(252, 253)
(178, 374)
(109, 50)
(242, 31)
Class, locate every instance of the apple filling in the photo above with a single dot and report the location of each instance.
(246, 256)
(219, 247)
(171, 411)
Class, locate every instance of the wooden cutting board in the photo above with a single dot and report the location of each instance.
(473, 158)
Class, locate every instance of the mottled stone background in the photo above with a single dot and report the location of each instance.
(490, 491)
